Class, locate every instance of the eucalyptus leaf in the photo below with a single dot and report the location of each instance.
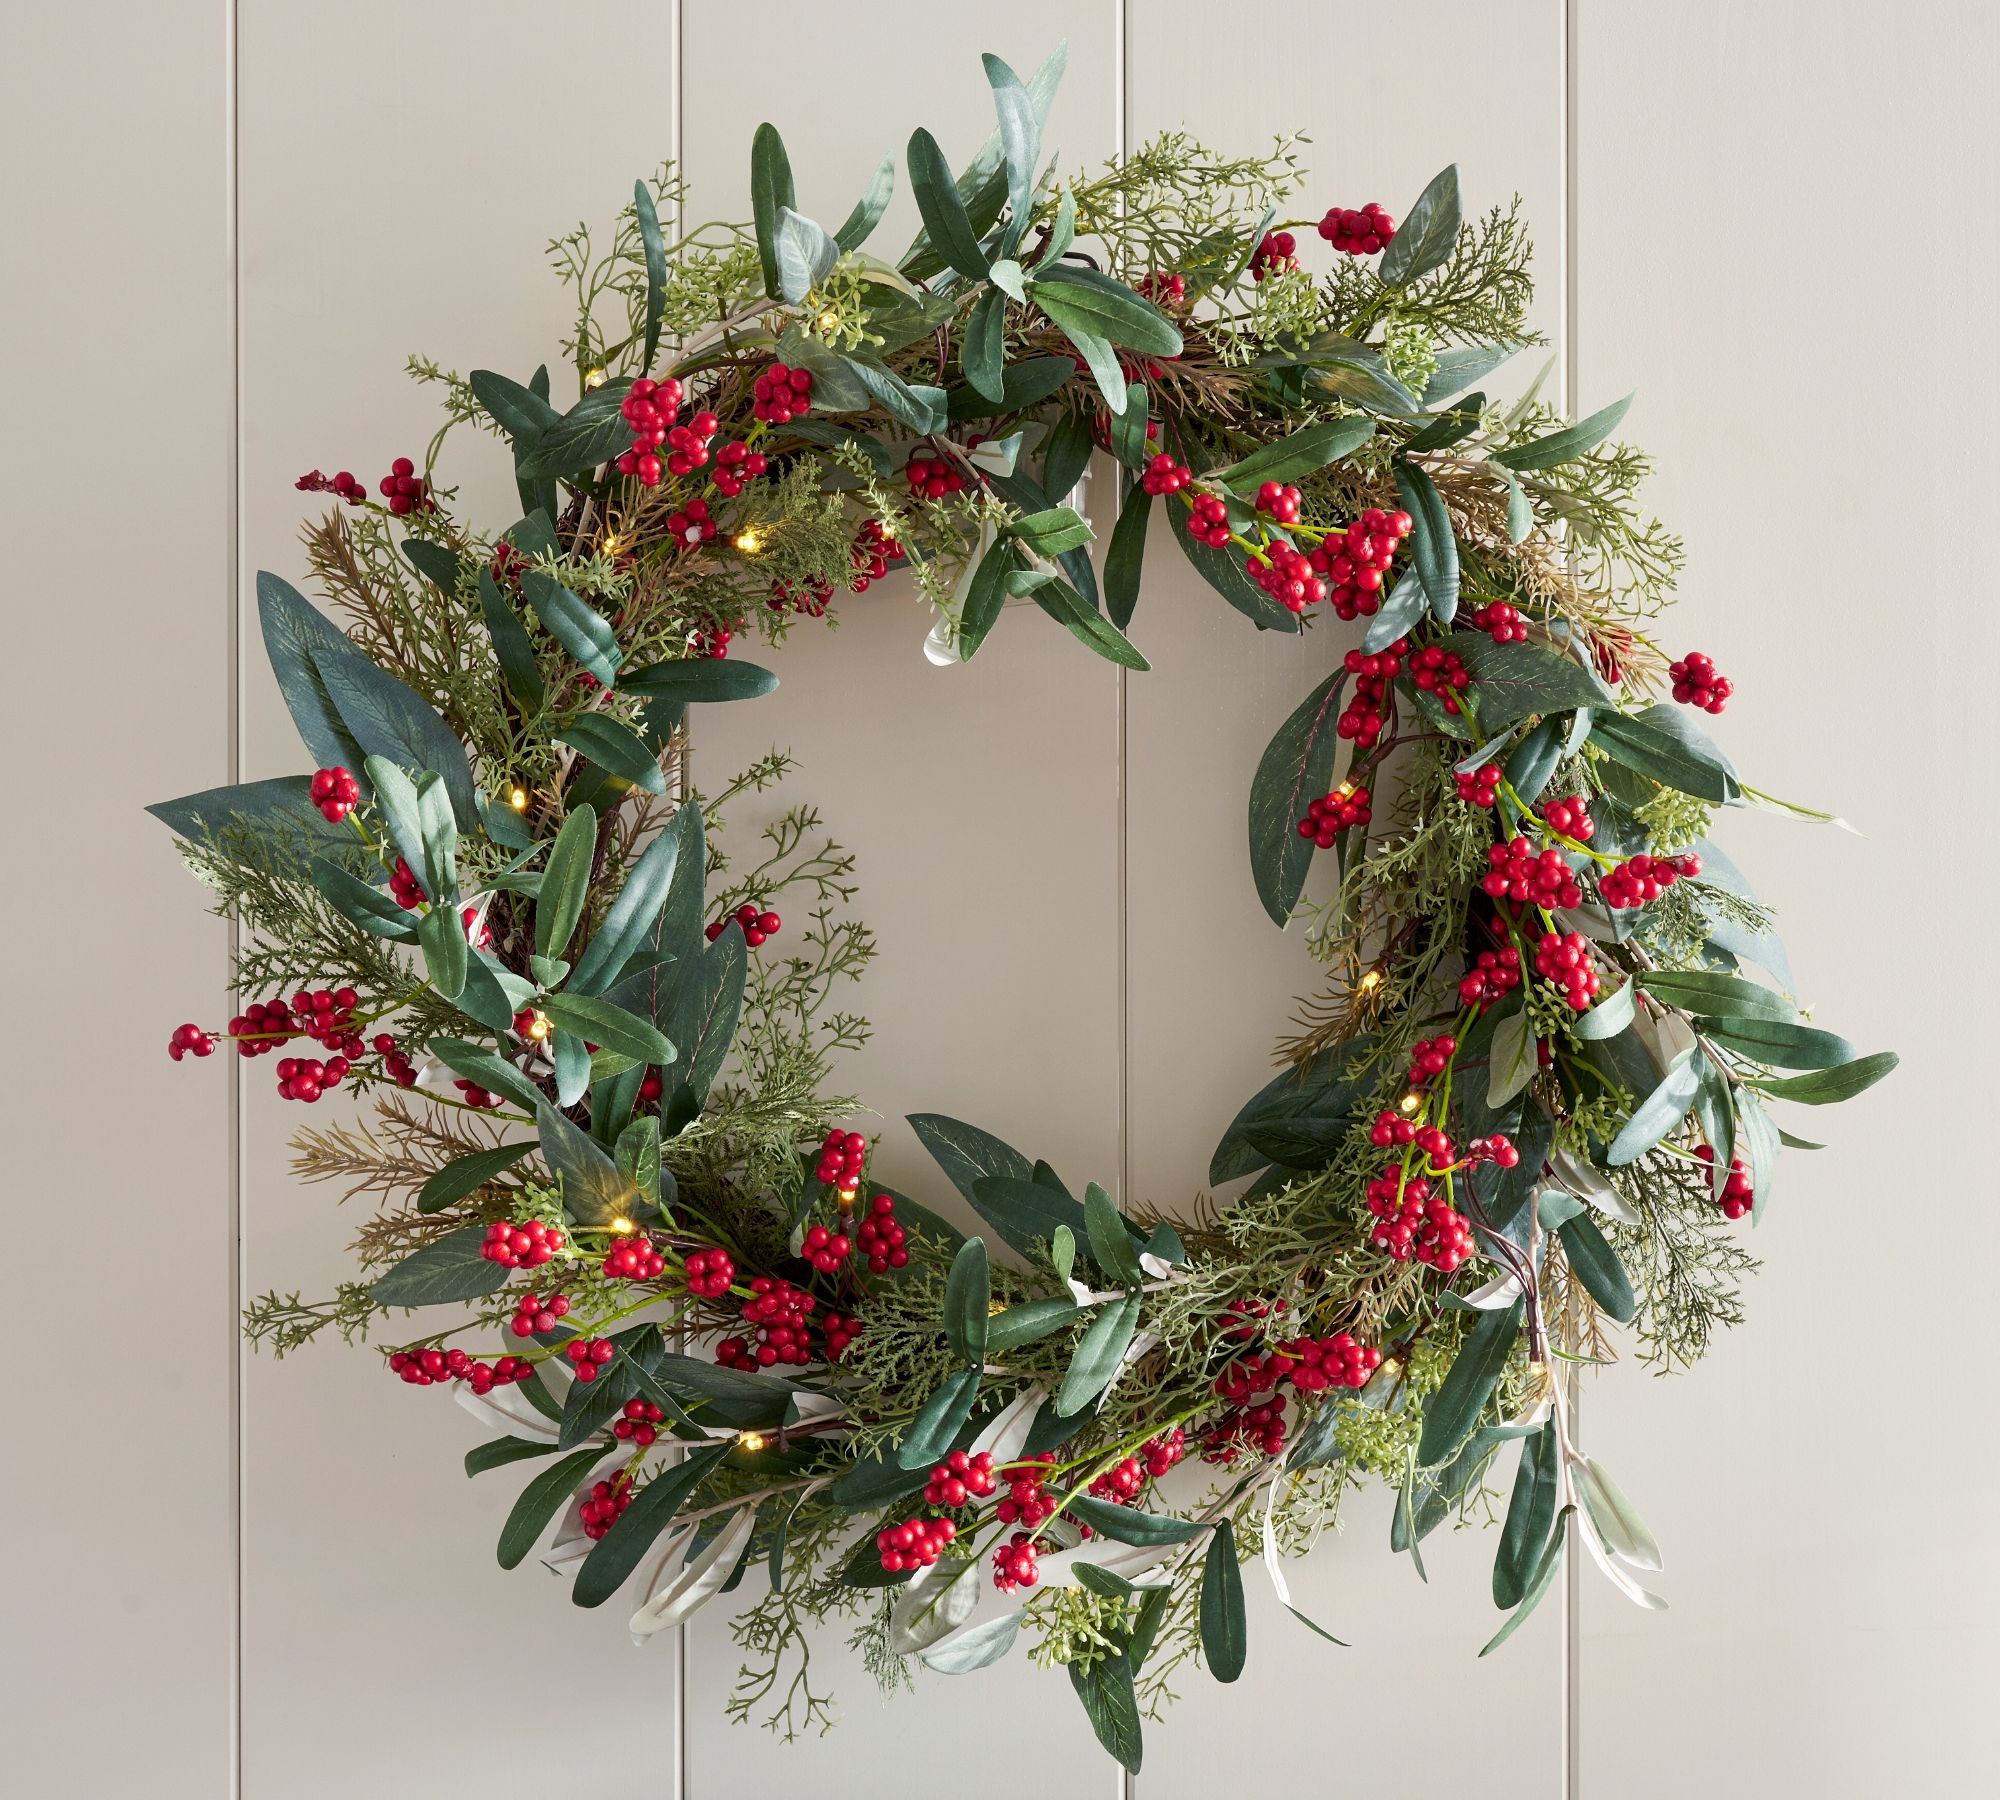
(1296, 768)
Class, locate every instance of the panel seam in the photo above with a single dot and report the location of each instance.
(1128, 1782)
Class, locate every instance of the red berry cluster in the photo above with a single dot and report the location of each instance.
(1416, 1222)
(650, 409)
(306, 1078)
(1565, 960)
(1313, 1364)
(1571, 817)
(1501, 622)
(880, 1238)
(1163, 1452)
(1243, 1316)
(1327, 817)
(423, 1368)
(1697, 684)
(404, 887)
(1276, 252)
(535, 1313)
(1640, 879)
(1430, 1057)
(1439, 671)
(1286, 575)
(932, 477)
(1163, 288)
(1259, 1425)
(826, 1250)
(781, 1317)
(757, 926)
(1493, 973)
(692, 524)
(1373, 670)
(590, 1356)
(914, 1544)
(342, 484)
(406, 490)
(634, 1258)
(710, 1273)
(712, 643)
(1519, 872)
(638, 1423)
(1208, 520)
(1354, 561)
(687, 445)
(782, 395)
(1280, 500)
(1480, 786)
(1016, 1564)
(395, 1064)
(960, 1479)
(1121, 1483)
(1358, 231)
(736, 466)
(872, 553)
(336, 793)
(607, 1503)
(1737, 1195)
(840, 1159)
(190, 1039)
(809, 598)
(520, 1246)
(1026, 1503)
(1165, 476)
(1391, 1131)
(476, 1096)
(841, 1329)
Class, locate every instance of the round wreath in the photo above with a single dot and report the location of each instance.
(640, 1239)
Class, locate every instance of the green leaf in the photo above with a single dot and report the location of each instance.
(1513, 1060)
(922, 409)
(1455, 1408)
(614, 746)
(944, 215)
(1103, 307)
(565, 882)
(983, 351)
(448, 1269)
(1519, 681)
(868, 210)
(967, 1155)
(467, 1174)
(1762, 1143)
(986, 596)
(1824, 1087)
(968, 1293)
(1102, 361)
(1063, 463)
(1299, 1116)
(1666, 746)
(700, 678)
(932, 1430)
(1531, 1512)
(1659, 1113)
(1020, 143)
(1538, 1585)
(1129, 442)
(652, 1510)
(1520, 510)
(1295, 769)
(1618, 1524)
(1024, 385)
(1125, 557)
(805, 254)
(655, 250)
(602, 1022)
(1089, 626)
(1780, 1043)
(296, 639)
(488, 1070)
(696, 1002)
(522, 413)
(638, 1155)
(281, 807)
(1427, 234)
(541, 1500)
(595, 1190)
(591, 432)
(1710, 995)
(1127, 1525)
(442, 936)
(513, 650)
(1110, 1700)
(1052, 532)
(1598, 1268)
(1224, 1631)
(1027, 1322)
(1024, 1212)
(1610, 1016)
(497, 1453)
(1302, 453)
(770, 189)
(978, 1648)
(1433, 549)
(636, 910)
(1098, 1354)
(362, 905)
(1566, 445)
(574, 625)
(1461, 367)
(1110, 1241)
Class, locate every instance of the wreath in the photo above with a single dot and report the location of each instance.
(625, 1217)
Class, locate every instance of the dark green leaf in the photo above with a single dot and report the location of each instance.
(1433, 549)
(1459, 367)
(1566, 445)
(565, 882)
(467, 1174)
(1089, 626)
(1106, 1690)
(1824, 1087)
(1063, 463)
(1455, 1408)
(931, 1432)
(1659, 1113)
(701, 678)
(574, 625)
(984, 349)
(1222, 569)
(1302, 453)
(448, 1269)
(1020, 141)
(541, 1500)
(513, 650)
(1022, 1211)
(442, 936)
(652, 1510)
(593, 431)
(1534, 760)
(1664, 745)
(1531, 1511)
(655, 250)
(594, 1189)
(1598, 1268)
(1781, 1043)
(614, 746)
(1098, 1354)
(1104, 307)
(1295, 769)
(987, 595)
(868, 210)
(1027, 1322)
(1125, 557)
(633, 914)
(1519, 681)
(488, 1070)
(968, 1293)
(1110, 1239)
(1224, 1631)
(521, 413)
(1129, 442)
(1024, 385)
(696, 1002)
(1301, 1112)
(1427, 233)
(1127, 1525)
(770, 189)
(602, 1022)
(1538, 1584)
(945, 221)
(498, 1452)
(1052, 532)
(360, 904)
(280, 808)
(967, 1155)
(1715, 996)
(297, 639)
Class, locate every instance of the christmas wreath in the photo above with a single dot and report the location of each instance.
(624, 1218)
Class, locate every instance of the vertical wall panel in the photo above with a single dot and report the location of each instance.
(1786, 242)
(401, 170)
(118, 1502)
(980, 799)
(1212, 983)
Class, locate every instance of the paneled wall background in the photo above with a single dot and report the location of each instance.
(229, 221)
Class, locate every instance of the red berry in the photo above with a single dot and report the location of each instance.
(335, 792)
(1697, 684)
(1358, 232)
(1274, 254)
(406, 490)
(710, 1273)
(781, 395)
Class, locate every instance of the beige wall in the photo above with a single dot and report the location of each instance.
(1774, 221)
